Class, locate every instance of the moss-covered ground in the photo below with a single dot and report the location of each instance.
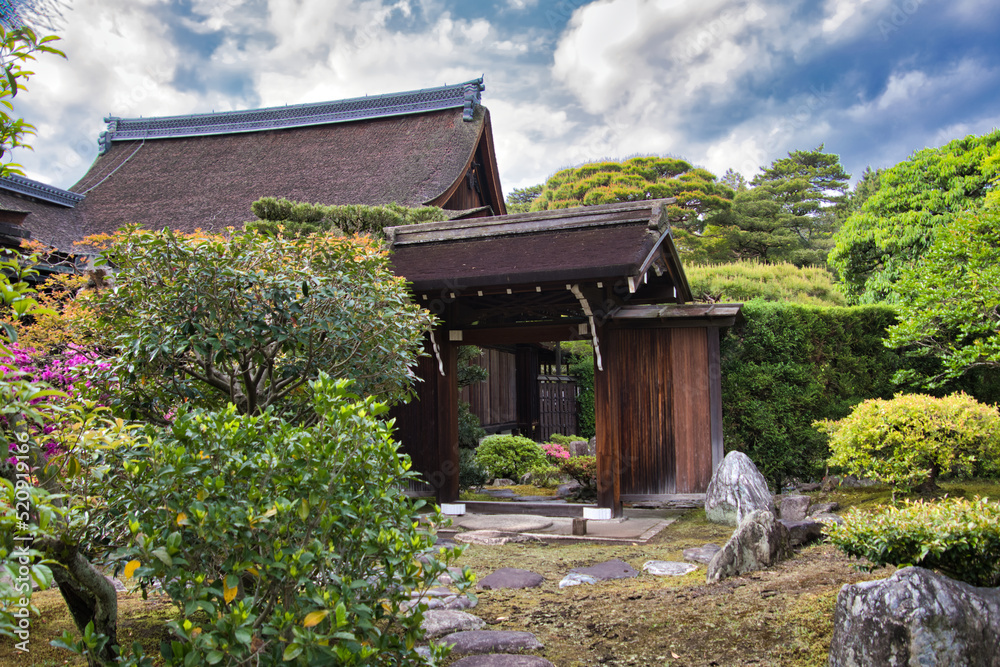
(782, 616)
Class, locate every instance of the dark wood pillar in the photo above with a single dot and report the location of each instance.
(526, 374)
(606, 409)
(447, 436)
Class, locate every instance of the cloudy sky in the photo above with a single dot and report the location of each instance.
(721, 83)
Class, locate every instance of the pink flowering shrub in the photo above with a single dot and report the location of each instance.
(554, 452)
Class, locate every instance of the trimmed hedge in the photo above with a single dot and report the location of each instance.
(789, 365)
(959, 538)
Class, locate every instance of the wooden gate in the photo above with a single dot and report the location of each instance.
(557, 395)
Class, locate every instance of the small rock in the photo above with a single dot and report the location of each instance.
(823, 508)
(510, 577)
(737, 488)
(492, 537)
(759, 542)
(666, 568)
(809, 487)
(503, 481)
(461, 602)
(702, 554)
(828, 518)
(502, 660)
(439, 622)
(803, 532)
(612, 569)
(580, 448)
(916, 617)
(575, 579)
(491, 641)
(795, 508)
(568, 488)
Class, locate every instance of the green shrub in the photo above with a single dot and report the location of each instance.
(911, 439)
(959, 538)
(581, 367)
(470, 430)
(744, 281)
(545, 475)
(509, 456)
(564, 440)
(277, 542)
(470, 473)
(297, 219)
(581, 468)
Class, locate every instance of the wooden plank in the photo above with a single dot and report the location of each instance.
(549, 333)
(691, 409)
(658, 311)
(513, 507)
(715, 395)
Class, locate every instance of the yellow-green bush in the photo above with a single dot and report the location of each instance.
(959, 538)
(911, 439)
(509, 456)
(743, 281)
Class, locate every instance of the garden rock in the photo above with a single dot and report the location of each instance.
(803, 532)
(575, 579)
(491, 641)
(666, 568)
(826, 517)
(492, 537)
(568, 488)
(737, 489)
(759, 542)
(916, 617)
(503, 481)
(510, 577)
(795, 508)
(612, 569)
(439, 622)
(580, 448)
(808, 487)
(823, 508)
(502, 660)
(702, 554)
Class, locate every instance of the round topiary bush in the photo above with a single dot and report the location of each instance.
(509, 455)
(911, 439)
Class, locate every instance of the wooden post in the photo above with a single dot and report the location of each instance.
(606, 412)
(447, 437)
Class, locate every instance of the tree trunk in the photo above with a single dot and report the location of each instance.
(89, 596)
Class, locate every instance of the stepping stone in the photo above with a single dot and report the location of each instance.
(612, 569)
(575, 579)
(823, 508)
(438, 622)
(828, 517)
(502, 660)
(510, 577)
(492, 537)
(491, 641)
(803, 532)
(461, 602)
(666, 568)
(511, 523)
(701, 554)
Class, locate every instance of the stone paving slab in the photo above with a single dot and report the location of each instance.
(502, 660)
(512, 523)
(491, 641)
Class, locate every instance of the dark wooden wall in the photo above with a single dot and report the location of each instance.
(494, 401)
(654, 412)
(427, 426)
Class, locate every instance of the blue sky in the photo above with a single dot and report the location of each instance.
(723, 84)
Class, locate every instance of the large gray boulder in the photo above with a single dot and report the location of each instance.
(916, 617)
(737, 489)
(795, 508)
(759, 542)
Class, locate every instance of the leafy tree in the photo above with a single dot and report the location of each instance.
(867, 185)
(699, 195)
(519, 200)
(787, 215)
(747, 280)
(250, 319)
(18, 47)
(949, 300)
(297, 219)
(915, 199)
(734, 180)
(277, 542)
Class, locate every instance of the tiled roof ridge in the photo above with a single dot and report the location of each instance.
(31, 188)
(466, 95)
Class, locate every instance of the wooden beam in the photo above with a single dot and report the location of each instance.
(546, 333)
(447, 409)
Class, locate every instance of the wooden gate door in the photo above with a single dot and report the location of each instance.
(557, 395)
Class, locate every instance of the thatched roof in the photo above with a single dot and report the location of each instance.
(431, 146)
